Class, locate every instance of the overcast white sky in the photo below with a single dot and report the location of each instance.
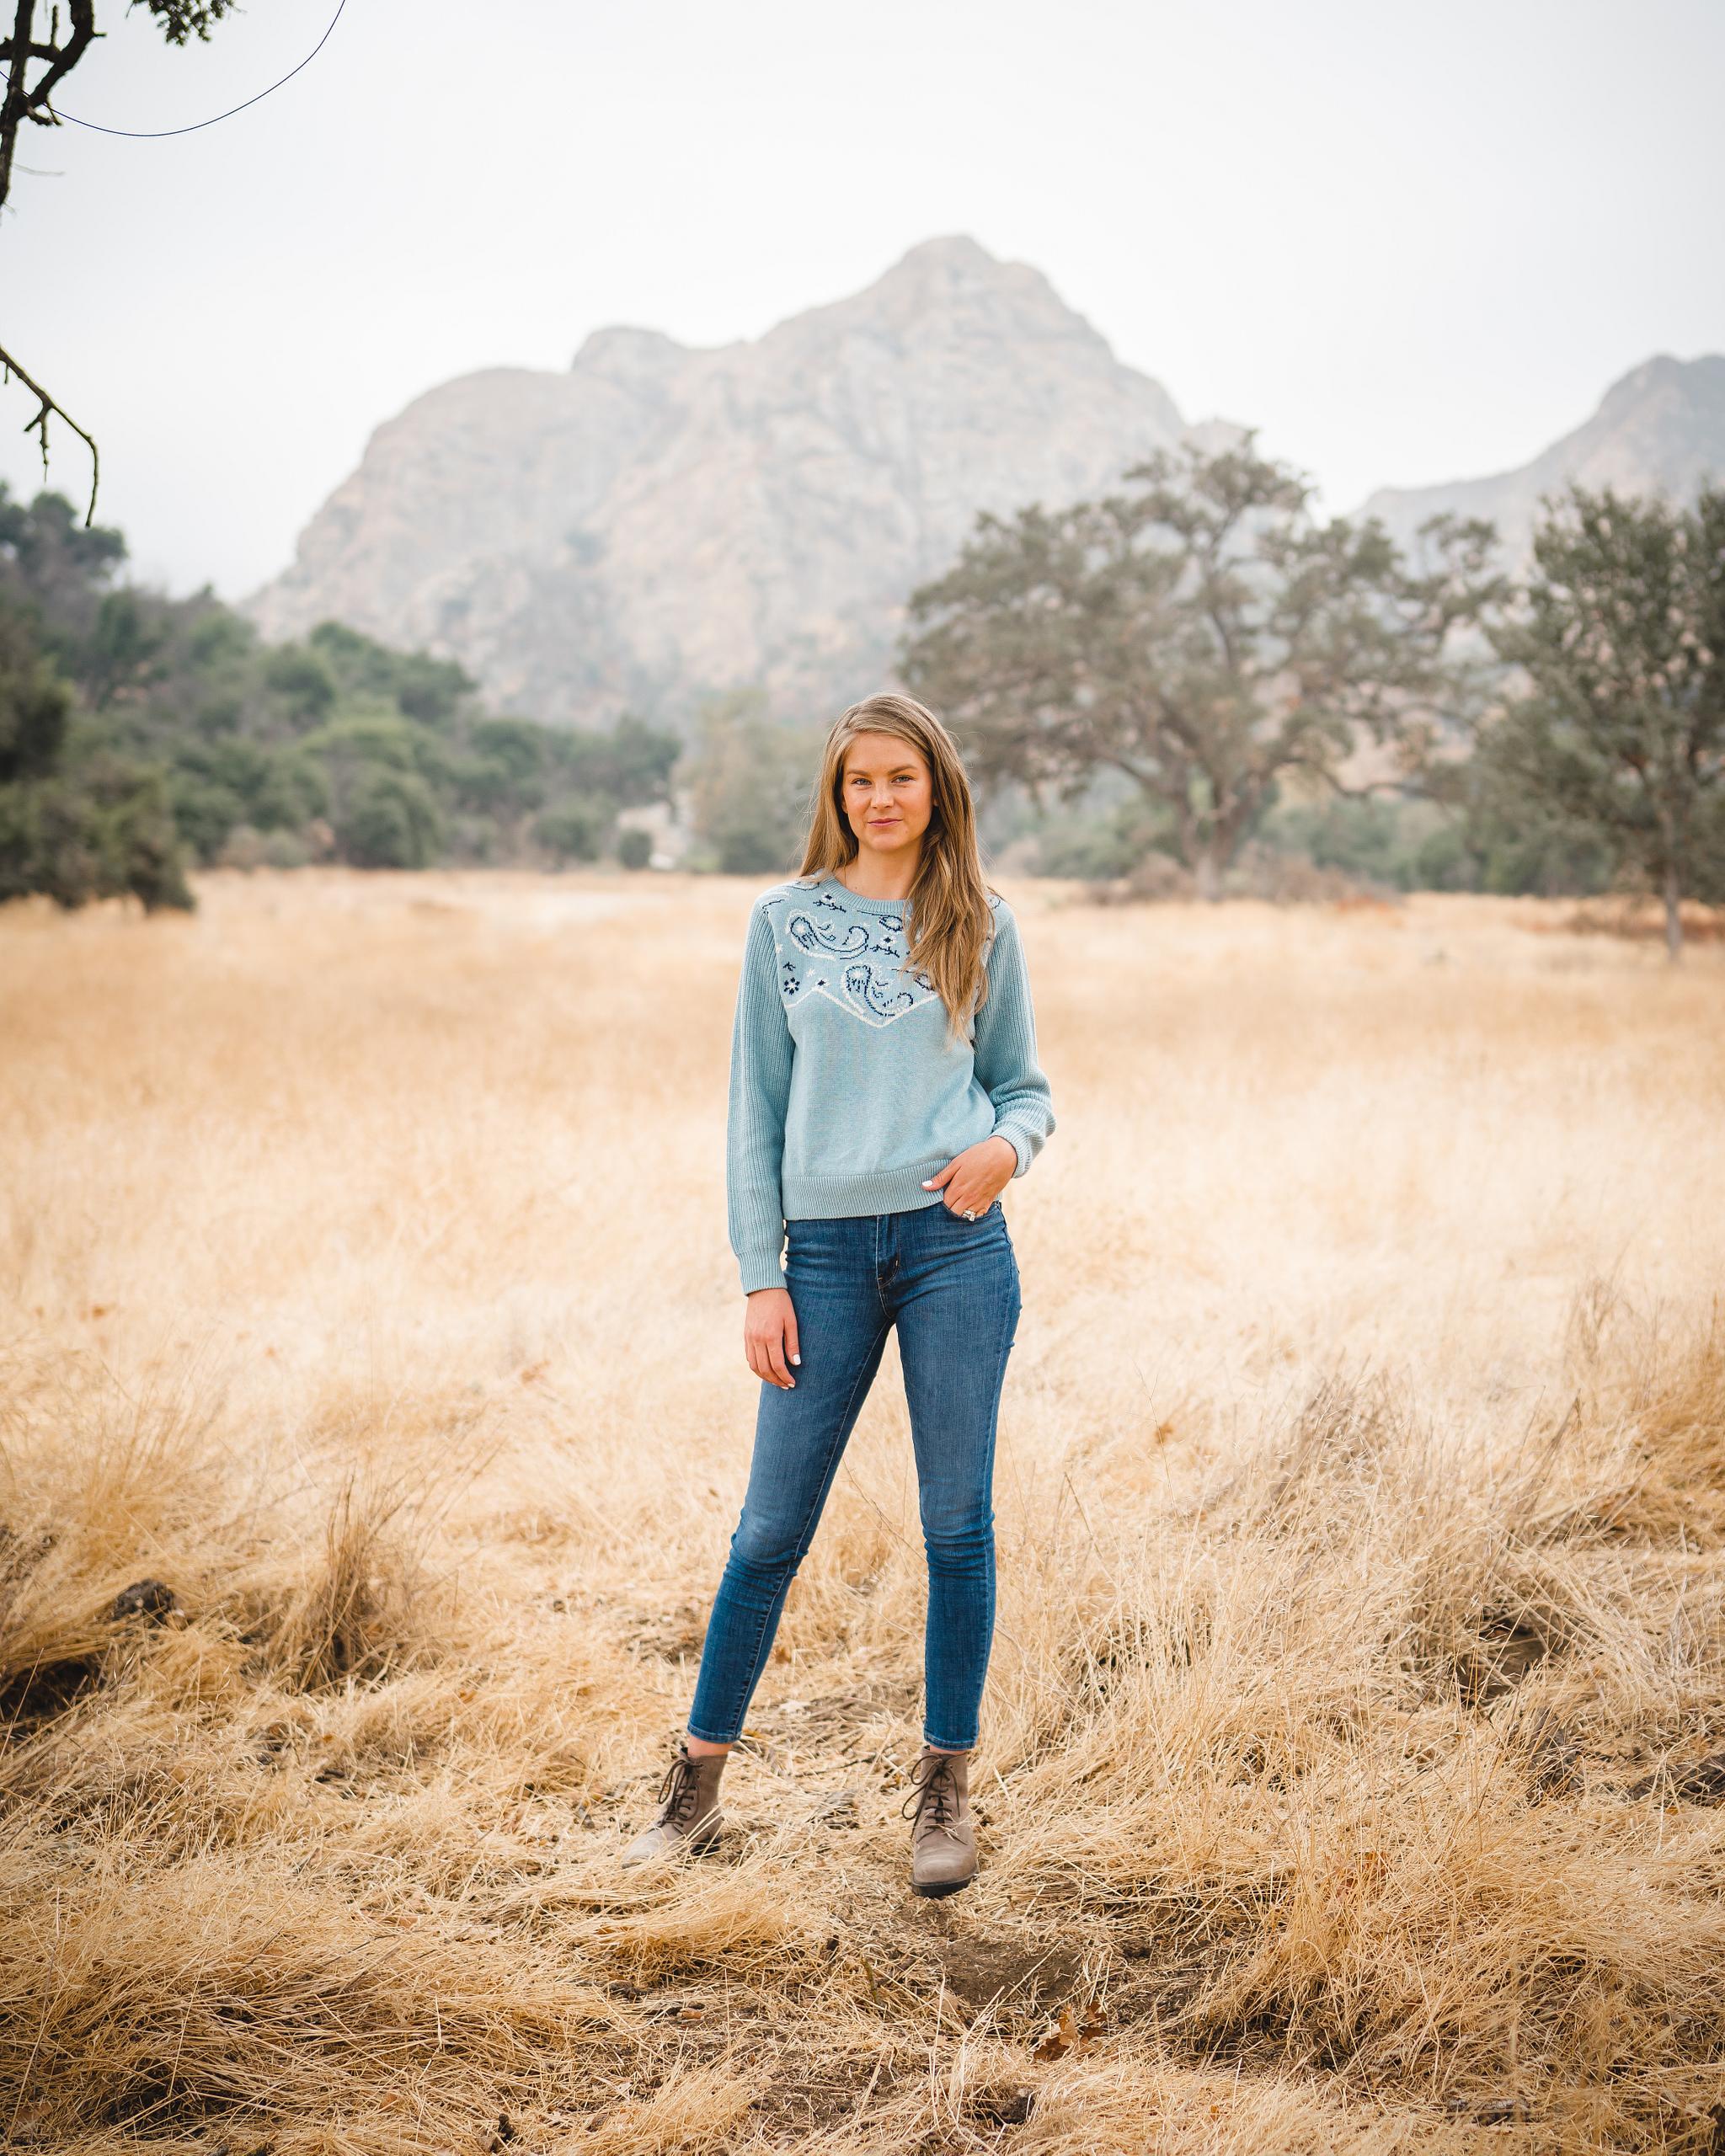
(1411, 243)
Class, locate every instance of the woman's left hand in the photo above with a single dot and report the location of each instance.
(971, 1181)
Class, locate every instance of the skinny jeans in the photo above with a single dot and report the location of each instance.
(951, 1287)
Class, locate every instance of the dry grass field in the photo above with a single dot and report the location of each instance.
(1346, 1779)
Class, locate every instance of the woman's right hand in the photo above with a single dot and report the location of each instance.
(770, 1336)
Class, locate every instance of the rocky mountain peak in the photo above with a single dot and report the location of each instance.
(662, 519)
(622, 350)
(1658, 430)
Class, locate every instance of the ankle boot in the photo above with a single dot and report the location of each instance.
(689, 1817)
(943, 1837)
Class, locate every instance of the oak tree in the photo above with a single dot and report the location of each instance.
(1618, 731)
(1199, 630)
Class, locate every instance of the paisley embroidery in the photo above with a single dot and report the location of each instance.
(861, 982)
(813, 937)
(877, 995)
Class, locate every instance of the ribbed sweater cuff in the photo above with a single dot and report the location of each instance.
(761, 1269)
(1020, 1141)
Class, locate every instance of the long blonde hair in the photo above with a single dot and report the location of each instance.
(950, 920)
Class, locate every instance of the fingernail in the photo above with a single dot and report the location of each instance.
(928, 1183)
(797, 1360)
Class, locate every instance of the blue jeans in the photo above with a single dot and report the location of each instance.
(951, 1287)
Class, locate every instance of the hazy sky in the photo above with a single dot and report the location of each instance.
(1411, 243)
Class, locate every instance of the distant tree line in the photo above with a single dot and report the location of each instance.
(1192, 666)
(140, 734)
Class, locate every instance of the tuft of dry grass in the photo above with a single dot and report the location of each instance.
(372, 1418)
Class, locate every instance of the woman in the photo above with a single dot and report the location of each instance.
(883, 1091)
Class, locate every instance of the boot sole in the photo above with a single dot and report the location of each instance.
(934, 1890)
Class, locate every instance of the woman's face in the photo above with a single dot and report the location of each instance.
(887, 794)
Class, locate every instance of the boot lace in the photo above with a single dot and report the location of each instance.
(934, 1801)
(679, 1792)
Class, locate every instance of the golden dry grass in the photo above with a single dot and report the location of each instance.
(1362, 1530)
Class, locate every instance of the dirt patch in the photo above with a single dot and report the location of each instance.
(1018, 1973)
(32, 1696)
(829, 1718)
(670, 1633)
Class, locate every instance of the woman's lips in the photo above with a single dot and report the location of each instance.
(882, 823)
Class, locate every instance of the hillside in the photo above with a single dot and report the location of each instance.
(659, 521)
(1659, 430)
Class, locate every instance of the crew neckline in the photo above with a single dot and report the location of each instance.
(899, 906)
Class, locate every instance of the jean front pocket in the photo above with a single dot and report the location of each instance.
(991, 1217)
(816, 1238)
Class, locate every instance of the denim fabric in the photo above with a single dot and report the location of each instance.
(951, 1287)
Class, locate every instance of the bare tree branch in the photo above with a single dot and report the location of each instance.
(45, 404)
(27, 100)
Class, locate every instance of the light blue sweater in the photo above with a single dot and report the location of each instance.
(846, 1094)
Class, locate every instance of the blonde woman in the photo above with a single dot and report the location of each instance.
(883, 1091)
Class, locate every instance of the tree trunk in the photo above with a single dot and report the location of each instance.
(1673, 915)
(1208, 870)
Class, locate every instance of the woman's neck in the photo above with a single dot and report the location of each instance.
(887, 882)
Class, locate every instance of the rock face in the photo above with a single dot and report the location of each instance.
(659, 521)
(1660, 429)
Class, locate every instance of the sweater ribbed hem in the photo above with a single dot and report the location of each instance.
(881, 1190)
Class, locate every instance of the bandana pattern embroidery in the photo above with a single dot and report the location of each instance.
(837, 962)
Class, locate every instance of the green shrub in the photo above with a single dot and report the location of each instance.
(293, 791)
(388, 819)
(205, 813)
(249, 848)
(426, 689)
(301, 682)
(574, 830)
(285, 850)
(109, 832)
(35, 705)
